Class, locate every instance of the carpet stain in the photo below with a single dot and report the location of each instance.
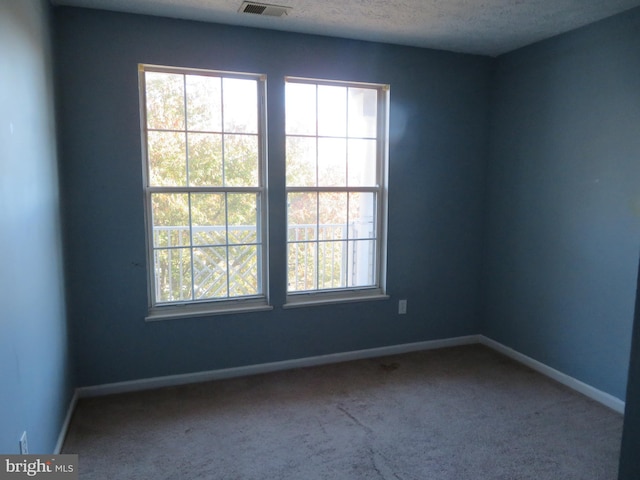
(390, 367)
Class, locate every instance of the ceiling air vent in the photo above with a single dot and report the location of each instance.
(264, 9)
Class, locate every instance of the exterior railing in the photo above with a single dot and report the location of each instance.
(193, 264)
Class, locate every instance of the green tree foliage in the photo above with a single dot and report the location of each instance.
(202, 131)
(329, 144)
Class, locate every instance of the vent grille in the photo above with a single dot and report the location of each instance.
(253, 8)
(264, 9)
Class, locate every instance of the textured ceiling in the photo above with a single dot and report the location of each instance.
(488, 27)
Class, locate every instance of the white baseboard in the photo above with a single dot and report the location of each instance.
(174, 380)
(599, 396)
(65, 424)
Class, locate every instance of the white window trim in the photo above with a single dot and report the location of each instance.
(225, 307)
(355, 294)
(324, 297)
(195, 308)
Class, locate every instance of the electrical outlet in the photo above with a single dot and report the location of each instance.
(24, 447)
(402, 307)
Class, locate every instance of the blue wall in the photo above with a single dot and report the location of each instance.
(35, 381)
(563, 222)
(439, 131)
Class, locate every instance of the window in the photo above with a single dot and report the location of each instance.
(205, 195)
(204, 151)
(336, 144)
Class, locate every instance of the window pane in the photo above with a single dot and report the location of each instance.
(332, 111)
(242, 215)
(170, 213)
(362, 256)
(243, 270)
(300, 102)
(333, 168)
(241, 160)
(362, 214)
(240, 110)
(302, 216)
(362, 163)
(167, 159)
(204, 112)
(204, 132)
(332, 162)
(302, 266)
(208, 219)
(363, 107)
(332, 263)
(301, 162)
(332, 216)
(205, 159)
(173, 274)
(165, 100)
(210, 272)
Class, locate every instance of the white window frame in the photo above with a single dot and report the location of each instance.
(296, 299)
(205, 307)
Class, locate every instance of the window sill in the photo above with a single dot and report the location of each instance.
(314, 299)
(205, 310)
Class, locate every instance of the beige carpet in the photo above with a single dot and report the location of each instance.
(457, 413)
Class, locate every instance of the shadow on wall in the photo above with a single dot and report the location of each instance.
(629, 458)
